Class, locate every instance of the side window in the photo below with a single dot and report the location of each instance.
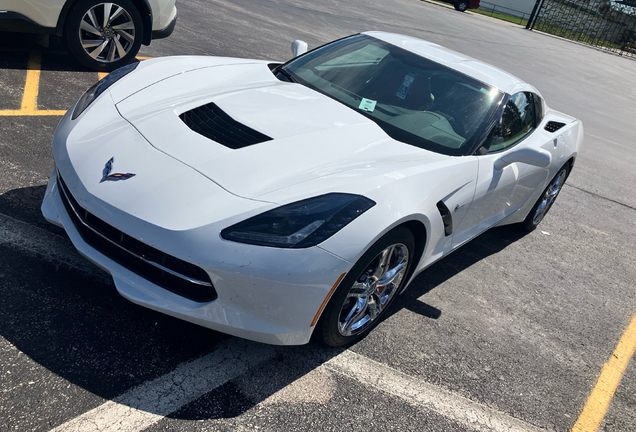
(517, 121)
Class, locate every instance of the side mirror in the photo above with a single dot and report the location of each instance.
(298, 47)
(530, 156)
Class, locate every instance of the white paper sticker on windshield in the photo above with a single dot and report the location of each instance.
(367, 105)
(406, 85)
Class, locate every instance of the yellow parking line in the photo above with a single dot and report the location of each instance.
(29, 105)
(598, 402)
(13, 113)
(30, 96)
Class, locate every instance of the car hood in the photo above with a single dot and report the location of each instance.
(311, 134)
(149, 185)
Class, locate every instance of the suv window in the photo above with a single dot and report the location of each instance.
(517, 121)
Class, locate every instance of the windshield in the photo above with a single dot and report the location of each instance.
(413, 99)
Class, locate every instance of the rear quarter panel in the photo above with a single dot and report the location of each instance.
(564, 145)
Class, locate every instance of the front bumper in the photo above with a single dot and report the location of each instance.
(272, 301)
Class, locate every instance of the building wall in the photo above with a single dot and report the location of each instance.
(517, 8)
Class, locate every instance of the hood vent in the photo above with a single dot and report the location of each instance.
(553, 126)
(214, 123)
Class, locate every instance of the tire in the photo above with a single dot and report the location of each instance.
(546, 199)
(461, 6)
(339, 324)
(99, 47)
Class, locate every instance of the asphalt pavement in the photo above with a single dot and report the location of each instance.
(511, 332)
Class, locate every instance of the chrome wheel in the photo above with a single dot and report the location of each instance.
(107, 32)
(373, 290)
(549, 196)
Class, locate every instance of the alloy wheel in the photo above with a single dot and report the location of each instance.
(373, 290)
(549, 197)
(107, 32)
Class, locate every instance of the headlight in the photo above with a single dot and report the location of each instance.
(100, 87)
(301, 224)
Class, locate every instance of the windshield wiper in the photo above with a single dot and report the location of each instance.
(344, 90)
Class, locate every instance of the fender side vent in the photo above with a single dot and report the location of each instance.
(214, 123)
(553, 126)
(447, 218)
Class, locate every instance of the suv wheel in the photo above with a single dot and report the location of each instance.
(104, 36)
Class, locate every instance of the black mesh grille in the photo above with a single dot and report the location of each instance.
(213, 123)
(191, 282)
(553, 126)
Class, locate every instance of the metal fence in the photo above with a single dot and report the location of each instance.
(607, 24)
(512, 14)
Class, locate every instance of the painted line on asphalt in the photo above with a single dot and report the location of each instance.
(425, 395)
(30, 96)
(148, 403)
(151, 401)
(29, 106)
(51, 247)
(26, 113)
(611, 375)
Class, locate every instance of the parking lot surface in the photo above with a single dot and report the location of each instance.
(511, 332)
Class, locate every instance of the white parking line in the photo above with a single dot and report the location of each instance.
(425, 395)
(51, 247)
(149, 402)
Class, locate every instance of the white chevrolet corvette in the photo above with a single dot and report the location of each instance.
(272, 201)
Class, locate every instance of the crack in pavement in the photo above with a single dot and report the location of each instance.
(601, 197)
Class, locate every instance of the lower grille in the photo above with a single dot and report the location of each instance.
(171, 273)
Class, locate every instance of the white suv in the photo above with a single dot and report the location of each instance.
(100, 35)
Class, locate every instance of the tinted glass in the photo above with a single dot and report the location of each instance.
(538, 108)
(415, 100)
(517, 121)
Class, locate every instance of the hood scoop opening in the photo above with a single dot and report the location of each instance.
(215, 124)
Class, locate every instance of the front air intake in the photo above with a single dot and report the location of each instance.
(214, 123)
(167, 271)
(553, 126)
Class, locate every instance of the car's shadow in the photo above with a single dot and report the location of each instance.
(16, 48)
(488, 243)
(78, 328)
